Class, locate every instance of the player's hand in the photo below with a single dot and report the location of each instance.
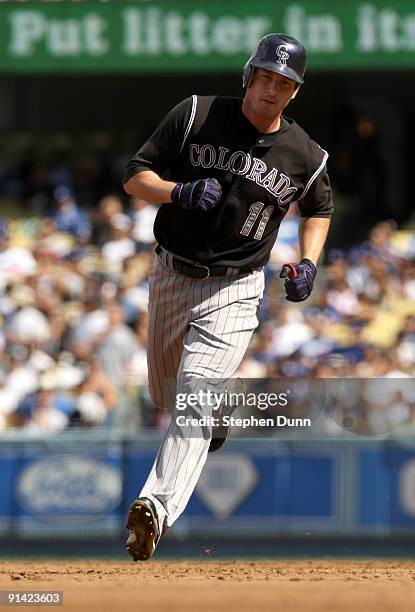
(299, 280)
(203, 194)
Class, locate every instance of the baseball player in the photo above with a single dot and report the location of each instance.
(225, 171)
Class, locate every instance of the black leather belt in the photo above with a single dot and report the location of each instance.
(200, 271)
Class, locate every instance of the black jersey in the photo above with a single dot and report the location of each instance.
(260, 175)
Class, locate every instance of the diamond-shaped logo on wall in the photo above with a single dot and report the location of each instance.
(226, 481)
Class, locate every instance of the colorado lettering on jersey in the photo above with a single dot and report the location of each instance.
(241, 163)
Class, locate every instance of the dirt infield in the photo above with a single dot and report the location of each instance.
(295, 586)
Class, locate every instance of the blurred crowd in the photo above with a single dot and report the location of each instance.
(73, 304)
(73, 312)
(359, 324)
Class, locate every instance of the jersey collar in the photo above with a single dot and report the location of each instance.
(271, 137)
(265, 140)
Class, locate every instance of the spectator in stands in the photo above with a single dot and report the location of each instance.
(120, 246)
(95, 397)
(108, 207)
(143, 215)
(46, 418)
(69, 217)
(90, 322)
(116, 346)
(16, 262)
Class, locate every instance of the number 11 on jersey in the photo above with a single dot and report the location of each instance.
(254, 212)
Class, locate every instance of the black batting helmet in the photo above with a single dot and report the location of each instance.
(279, 53)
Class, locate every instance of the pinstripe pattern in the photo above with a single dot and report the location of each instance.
(198, 329)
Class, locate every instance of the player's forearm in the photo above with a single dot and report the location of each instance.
(312, 234)
(150, 187)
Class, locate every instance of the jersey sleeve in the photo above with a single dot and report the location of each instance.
(166, 142)
(317, 200)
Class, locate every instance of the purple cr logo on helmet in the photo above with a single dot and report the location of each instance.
(282, 54)
(279, 53)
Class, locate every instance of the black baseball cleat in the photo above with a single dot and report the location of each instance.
(144, 529)
(219, 437)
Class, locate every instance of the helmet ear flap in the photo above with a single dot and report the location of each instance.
(247, 74)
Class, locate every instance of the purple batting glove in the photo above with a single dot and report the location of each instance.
(299, 286)
(203, 194)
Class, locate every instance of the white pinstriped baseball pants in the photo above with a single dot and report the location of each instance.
(197, 329)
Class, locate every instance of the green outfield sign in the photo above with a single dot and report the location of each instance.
(194, 36)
